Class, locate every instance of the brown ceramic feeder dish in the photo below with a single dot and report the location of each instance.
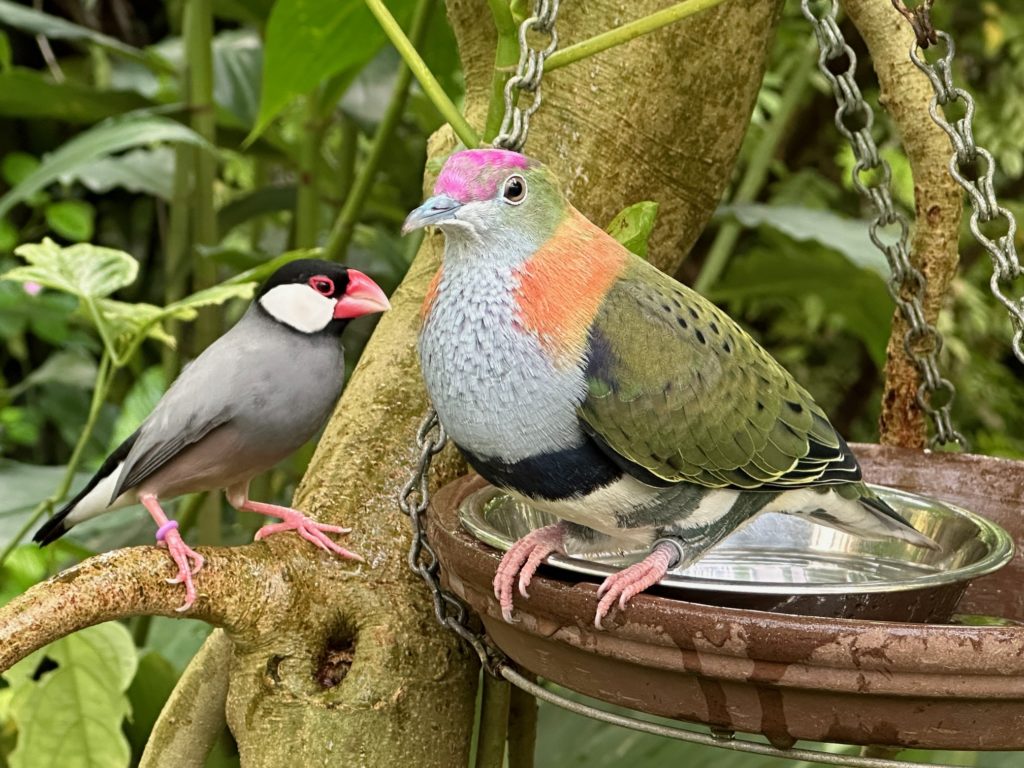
(789, 677)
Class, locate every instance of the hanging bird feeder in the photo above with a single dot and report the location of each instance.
(906, 649)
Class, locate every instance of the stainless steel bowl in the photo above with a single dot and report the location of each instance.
(788, 564)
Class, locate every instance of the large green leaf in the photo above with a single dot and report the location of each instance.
(140, 401)
(237, 71)
(857, 297)
(633, 225)
(104, 139)
(185, 309)
(72, 716)
(25, 485)
(308, 41)
(27, 93)
(149, 171)
(83, 270)
(24, 17)
(847, 236)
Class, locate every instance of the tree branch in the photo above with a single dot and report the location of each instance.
(905, 93)
(193, 716)
(132, 582)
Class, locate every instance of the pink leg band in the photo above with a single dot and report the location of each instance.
(166, 528)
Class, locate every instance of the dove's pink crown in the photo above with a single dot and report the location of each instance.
(475, 174)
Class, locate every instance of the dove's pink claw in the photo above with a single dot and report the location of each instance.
(621, 587)
(523, 559)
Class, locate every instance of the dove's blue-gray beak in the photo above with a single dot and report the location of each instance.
(435, 210)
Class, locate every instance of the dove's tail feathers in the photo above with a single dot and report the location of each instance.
(851, 508)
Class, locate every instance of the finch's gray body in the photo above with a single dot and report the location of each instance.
(234, 412)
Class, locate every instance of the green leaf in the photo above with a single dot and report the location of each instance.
(73, 368)
(148, 171)
(5, 52)
(25, 485)
(84, 270)
(127, 320)
(72, 716)
(185, 309)
(17, 166)
(138, 403)
(71, 219)
(30, 94)
(27, 19)
(308, 41)
(237, 71)
(847, 236)
(25, 566)
(148, 693)
(856, 297)
(8, 236)
(102, 140)
(633, 225)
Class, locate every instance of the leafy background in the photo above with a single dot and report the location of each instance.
(96, 151)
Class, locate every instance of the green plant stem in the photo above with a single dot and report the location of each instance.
(494, 704)
(176, 264)
(199, 54)
(506, 55)
(344, 226)
(522, 728)
(307, 204)
(627, 32)
(429, 83)
(757, 170)
(104, 376)
(347, 160)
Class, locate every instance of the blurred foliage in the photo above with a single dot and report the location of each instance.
(95, 148)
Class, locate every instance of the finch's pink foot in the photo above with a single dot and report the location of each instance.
(189, 563)
(293, 520)
(631, 581)
(524, 558)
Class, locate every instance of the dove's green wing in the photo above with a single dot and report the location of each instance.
(678, 391)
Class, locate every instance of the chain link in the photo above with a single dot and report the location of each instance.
(854, 118)
(974, 168)
(516, 122)
(431, 438)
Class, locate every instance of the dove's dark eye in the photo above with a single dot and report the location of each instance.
(322, 285)
(515, 189)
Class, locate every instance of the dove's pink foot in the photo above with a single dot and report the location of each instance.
(189, 561)
(631, 581)
(293, 520)
(524, 558)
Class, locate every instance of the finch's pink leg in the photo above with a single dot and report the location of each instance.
(189, 561)
(524, 558)
(631, 581)
(293, 520)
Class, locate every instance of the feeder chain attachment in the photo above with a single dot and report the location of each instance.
(516, 122)
(920, 19)
(973, 168)
(413, 501)
(854, 118)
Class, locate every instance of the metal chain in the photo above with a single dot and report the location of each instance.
(974, 168)
(854, 118)
(516, 122)
(415, 495)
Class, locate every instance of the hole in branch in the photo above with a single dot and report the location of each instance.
(336, 661)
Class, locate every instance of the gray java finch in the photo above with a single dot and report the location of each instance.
(249, 400)
(577, 376)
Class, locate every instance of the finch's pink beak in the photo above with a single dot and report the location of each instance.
(362, 297)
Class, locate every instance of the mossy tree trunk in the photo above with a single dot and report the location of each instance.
(355, 669)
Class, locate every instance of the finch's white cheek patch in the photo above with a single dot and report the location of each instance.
(299, 306)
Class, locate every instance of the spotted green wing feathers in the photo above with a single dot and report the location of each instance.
(678, 391)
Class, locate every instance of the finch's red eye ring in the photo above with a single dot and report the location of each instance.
(322, 285)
